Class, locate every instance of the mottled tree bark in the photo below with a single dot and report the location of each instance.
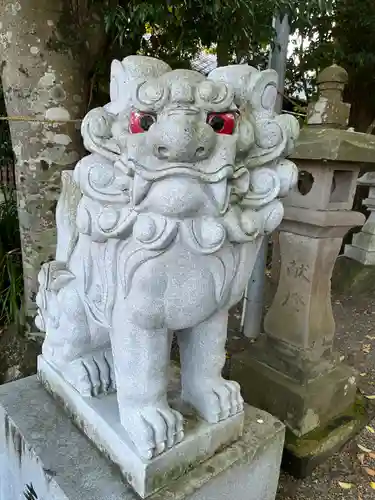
(45, 56)
(363, 109)
(222, 52)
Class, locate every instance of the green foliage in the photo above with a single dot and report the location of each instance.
(175, 31)
(354, 34)
(241, 30)
(11, 280)
(343, 34)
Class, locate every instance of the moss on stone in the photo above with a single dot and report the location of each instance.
(315, 441)
(160, 480)
(303, 454)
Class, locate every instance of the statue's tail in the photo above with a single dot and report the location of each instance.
(66, 212)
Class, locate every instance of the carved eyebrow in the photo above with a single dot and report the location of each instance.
(233, 108)
(235, 111)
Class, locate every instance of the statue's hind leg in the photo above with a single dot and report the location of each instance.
(69, 345)
(202, 351)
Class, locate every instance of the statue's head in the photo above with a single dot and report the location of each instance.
(163, 123)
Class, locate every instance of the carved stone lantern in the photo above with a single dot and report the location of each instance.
(293, 371)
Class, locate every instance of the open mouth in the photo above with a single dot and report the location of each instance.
(191, 170)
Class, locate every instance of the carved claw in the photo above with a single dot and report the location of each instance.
(92, 374)
(216, 400)
(153, 429)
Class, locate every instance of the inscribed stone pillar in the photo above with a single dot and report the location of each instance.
(293, 371)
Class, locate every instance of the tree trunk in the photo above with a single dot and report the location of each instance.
(222, 52)
(362, 108)
(43, 77)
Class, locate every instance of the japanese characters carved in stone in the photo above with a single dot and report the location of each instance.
(158, 231)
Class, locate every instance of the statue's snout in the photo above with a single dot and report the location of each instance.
(182, 137)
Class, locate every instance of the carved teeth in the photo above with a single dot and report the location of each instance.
(220, 193)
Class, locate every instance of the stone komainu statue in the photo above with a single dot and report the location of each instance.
(158, 231)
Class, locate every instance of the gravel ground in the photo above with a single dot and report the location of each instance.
(350, 474)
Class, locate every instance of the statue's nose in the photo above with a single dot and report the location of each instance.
(183, 138)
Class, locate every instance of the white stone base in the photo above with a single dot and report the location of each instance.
(99, 419)
(42, 452)
(362, 255)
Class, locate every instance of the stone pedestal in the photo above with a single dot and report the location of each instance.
(293, 371)
(43, 455)
(99, 419)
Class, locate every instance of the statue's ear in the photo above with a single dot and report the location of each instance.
(127, 74)
(237, 76)
(117, 79)
(253, 88)
(142, 68)
(262, 92)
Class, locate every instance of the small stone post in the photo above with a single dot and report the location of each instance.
(362, 248)
(293, 371)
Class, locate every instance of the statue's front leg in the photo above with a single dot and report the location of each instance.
(202, 351)
(141, 358)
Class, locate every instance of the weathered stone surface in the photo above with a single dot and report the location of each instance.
(332, 185)
(329, 110)
(42, 451)
(158, 231)
(302, 455)
(302, 405)
(320, 223)
(324, 137)
(322, 143)
(301, 312)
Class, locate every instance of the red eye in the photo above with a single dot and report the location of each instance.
(140, 122)
(222, 123)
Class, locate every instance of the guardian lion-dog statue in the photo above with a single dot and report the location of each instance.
(158, 232)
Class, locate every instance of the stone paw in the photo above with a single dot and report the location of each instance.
(92, 374)
(214, 400)
(153, 429)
